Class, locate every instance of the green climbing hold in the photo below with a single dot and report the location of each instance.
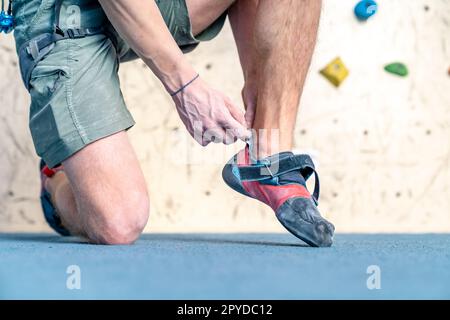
(397, 68)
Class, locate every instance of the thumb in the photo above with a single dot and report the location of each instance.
(250, 115)
(250, 108)
(236, 129)
(236, 112)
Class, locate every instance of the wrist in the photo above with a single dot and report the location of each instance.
(184, 86)
(180, 81)
(176, 76)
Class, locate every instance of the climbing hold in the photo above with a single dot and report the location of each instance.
(365, 9)
(335, 72)
(397, 68)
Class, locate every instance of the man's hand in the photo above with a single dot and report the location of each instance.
(210, 116)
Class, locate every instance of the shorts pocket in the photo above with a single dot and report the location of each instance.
(49, 74)
(46, 90)
(48, 104)
(45, 84)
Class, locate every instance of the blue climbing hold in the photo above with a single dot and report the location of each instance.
(6, 22)
(365, 9)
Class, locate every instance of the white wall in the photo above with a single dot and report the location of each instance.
(394, 178)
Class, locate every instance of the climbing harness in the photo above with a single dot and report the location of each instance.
(6, 18)
(34, 50)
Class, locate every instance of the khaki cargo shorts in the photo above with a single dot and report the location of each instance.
(75, 90)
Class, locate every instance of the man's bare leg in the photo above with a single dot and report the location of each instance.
(101, 195)
(276, 40)
(204, 12)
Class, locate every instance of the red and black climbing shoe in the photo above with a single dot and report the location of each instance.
(50, 213)
(280, 182)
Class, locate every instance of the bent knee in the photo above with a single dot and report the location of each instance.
(119, 233)
(122, 223)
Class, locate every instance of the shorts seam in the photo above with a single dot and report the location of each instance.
(69, 95)
(182, 31)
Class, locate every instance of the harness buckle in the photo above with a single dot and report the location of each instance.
(75, 33)
(267, 165)
(39, 46)
(33, 49)
(59, 31)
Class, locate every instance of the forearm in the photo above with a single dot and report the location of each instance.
(141, 25)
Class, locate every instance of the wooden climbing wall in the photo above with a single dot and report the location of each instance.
(382, 142)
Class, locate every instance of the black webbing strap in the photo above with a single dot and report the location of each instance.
(38, 44)
(37, 48)
(71, 33)
(263, 171)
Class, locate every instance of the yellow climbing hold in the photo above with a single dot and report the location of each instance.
(335, 72)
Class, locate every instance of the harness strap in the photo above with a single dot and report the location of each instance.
(271, 169)
(37, 48)
(38, 44)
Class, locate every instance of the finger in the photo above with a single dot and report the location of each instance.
(215, 135)
(250, 107)
(236, 129)
(250, 116)
(236, 112)
(201, 141)
(230, 136)
(196, 131)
